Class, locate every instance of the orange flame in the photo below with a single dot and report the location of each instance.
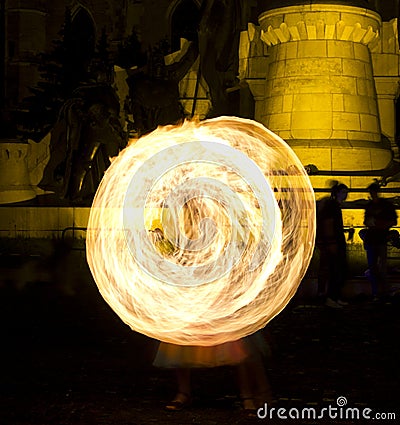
(200, 233)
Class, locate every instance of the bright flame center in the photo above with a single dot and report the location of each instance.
(200, 234)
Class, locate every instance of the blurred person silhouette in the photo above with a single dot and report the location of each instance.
(331, 243)
(246, 353)
(379, 216)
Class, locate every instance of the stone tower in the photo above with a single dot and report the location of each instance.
(325, 77)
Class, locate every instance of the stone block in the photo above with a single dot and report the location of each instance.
(320, 15)
(320, 182)
(287, 103)
(321, 102)
(386, 65)
(312, 102)
(274, 21)
(280, 69)
(351, 159)
(281, 52)
(285, 134)
(339, 134)
(316, 66)
(358, 33)
(352, 18)
(361, 52)
(259, 87)
(368, 71)
(243, 69)
(272, 66)
(321, 157)
(279, 121)
(272, 52)
(282, 86)
(291, 50)
(337, 102)
(244, 44)
(202, 108)
(257, 49)
(320, 26)
(11, 220)
(369, 123)
(346, 121)
(311, 120)
(264, 119)
(340, 49)
(312, 49)
(354, 68)
(343, 84)
(45, 218)
(292, 19)
(81, 216)
(358, 104)
(371, 90)
(347, 33)
(363, 135)
(362, 86)
(259, 110)
(311, 31)
(267, 106)
(321, 134)
(330, 30)
(274, 105)
(301, 102)
(302, 30)
(380, 158)
(65, 217)
(7, 222)
(294, 33)
(388, 38)
(300, 133)
(258, 67)
(312, 85)
(387, 86)
(373, 107)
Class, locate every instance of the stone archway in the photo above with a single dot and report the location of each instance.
(83, 42)
(184, 20)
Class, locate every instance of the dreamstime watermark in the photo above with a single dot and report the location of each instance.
(338, 412)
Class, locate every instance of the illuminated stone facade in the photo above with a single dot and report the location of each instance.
(322, 83)
(324, 76)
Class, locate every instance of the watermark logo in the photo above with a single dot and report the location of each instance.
(339, 412)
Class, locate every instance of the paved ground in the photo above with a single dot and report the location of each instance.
(68, 360)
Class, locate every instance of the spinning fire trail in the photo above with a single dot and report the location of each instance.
(201, 233)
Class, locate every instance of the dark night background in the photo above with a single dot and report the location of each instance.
(67, 359)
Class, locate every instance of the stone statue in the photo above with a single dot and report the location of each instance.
(86, 135)
(154, 90)
(219, 32)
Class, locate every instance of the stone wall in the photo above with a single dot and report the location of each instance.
(325, 77)
(320, 93)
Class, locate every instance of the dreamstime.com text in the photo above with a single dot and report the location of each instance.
(339, 412)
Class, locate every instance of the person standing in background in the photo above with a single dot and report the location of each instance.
(380, 215)
(332, 244)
